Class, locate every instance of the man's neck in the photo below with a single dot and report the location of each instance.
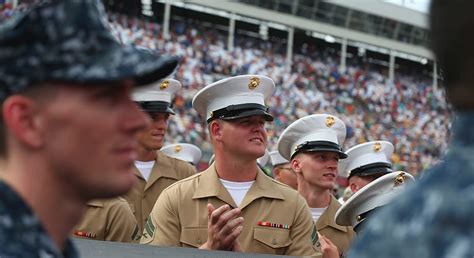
(144, 154)
(315, 196)
(232, 169)
(57, 208)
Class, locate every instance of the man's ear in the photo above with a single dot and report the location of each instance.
(215, 129)
(20, 115)
(276, 173)
(353, 187)
(296, 165)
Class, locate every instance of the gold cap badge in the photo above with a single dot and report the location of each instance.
(254, 82)
(178, 148)
(330, 121)
(400, 179)
(377, 147)
(164, 84)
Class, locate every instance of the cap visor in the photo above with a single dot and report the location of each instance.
(342, 155)
(378, 172)
(247, 113)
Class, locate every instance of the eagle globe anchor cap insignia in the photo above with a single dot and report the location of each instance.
(400, 179)
(254, 82)
(330, 121)
(164, 84)
(377, 147)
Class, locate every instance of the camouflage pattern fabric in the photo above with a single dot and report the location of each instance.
(21, 234)
(70, 41)
(435, 217)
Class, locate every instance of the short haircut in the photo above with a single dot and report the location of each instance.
(41, 92)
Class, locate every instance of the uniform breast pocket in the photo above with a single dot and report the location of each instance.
(193, 236)
(277, 239)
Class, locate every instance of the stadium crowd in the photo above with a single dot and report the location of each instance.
(407, 112)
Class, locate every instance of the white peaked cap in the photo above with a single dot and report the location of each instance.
(362, 155)
(243, 89)
(377, 193)
(183, 151)
(277, 158)
(322, 128)
(160, 91)
(263, 160)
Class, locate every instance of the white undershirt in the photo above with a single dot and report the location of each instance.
(317, 212)
(237, 190)
(145, 168)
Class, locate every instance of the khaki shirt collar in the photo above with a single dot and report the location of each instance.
(327, 218)
(210, 186)
(161, 168)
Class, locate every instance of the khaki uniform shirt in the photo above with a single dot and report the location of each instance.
(180, 216)
(107, 219)
(143, 195)
(341, 236)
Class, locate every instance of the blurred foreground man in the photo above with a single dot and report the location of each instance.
(435, 217)
(68, 123)
(233, 205)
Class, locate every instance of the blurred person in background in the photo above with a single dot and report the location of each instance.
(154, 170)
(366, 162)
(107, 220)
(357, 210)
(313, 144)
(282, 170)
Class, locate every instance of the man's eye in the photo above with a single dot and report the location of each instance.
(318, 157)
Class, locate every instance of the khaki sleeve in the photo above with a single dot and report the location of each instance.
(163, 227)
(120, 223)
(303, 232)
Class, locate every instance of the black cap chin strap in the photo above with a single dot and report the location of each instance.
(374, 168)
(155, 106)
(234, 110)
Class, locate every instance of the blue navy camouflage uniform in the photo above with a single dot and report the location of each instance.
(435, 217)
(21, 233)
